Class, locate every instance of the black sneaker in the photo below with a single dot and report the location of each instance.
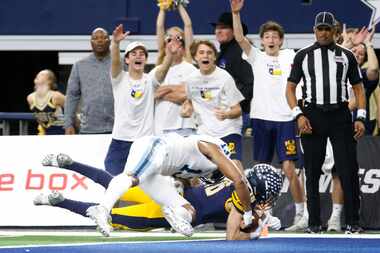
(353, 229)
(313, 230)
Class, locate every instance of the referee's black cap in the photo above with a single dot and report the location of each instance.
(324, 19)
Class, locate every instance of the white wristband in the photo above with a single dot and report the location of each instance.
(247, 218)
(362, 113)
(296, 111)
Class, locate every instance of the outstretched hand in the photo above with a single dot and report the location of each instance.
(118, 34)
(369, 37)
(360, 36)
(236, 5)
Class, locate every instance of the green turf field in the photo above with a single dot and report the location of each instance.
(54, 239)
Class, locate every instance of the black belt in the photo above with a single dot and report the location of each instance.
(327, 107)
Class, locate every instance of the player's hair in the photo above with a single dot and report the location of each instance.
(52, 79)
(195, 45)
(271, 26)
(161, 50)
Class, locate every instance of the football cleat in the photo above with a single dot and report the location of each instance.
(334, 224)
(60, 160)
(354, 229)
(50, 199)
(177, 222)
(297, 218)
(299, 226)
(313, 230)
(102, 219)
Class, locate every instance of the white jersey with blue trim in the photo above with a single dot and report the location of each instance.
(185, 160)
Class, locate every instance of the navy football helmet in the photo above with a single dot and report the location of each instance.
(265, 182)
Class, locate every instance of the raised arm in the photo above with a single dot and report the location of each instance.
(160, 29)
(170, 49)
(236, 6)
(373, 63)
(116, 64)
(188, 30)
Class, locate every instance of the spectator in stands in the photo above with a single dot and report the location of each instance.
(272, 121)
(375, 110)
(47, 103)
(168, 109)
(357, 41)
(90, 86)
(215, 99)
(133, 95)
(369, 67)
(230, 59)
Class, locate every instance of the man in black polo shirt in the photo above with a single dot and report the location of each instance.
(326, 68)
(230, 59)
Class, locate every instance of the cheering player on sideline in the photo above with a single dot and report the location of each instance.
(272, 120)
(133, 93)
(152, 158)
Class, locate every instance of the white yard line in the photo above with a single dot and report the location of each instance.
(113, 234)
(210, 234)
(125, 234)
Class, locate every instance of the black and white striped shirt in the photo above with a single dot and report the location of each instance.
(325, 71)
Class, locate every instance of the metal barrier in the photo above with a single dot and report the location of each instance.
(23, 119)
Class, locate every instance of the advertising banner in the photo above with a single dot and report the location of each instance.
(22, 177)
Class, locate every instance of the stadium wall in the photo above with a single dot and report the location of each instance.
(71, 17)
(22, 177)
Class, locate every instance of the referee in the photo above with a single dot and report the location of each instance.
(326, 68)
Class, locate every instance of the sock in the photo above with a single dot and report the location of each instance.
(305, 212)
(336, 210)
(116, 188)
(300, 208)
(99, 176)
(78, 207)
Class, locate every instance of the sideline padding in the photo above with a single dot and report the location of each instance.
(269, 245)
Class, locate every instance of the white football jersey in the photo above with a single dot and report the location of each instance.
(134, 106)
(271, 74)
(208, 92)
(185, 160)
(167, 114)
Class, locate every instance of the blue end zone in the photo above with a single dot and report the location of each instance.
(275, 245)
